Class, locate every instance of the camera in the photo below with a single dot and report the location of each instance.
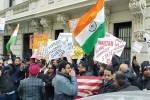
(145, 35)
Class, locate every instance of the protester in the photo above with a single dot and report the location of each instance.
(98, 69)
(32, 88)
(122, 82)
(65, 86)
(144, 81)
(7, 91)
(84, 69)
(136, 66)
(17, 76)
(125, 69)
(108, 83)
(42, 64)
(48, 83)
(114, 63)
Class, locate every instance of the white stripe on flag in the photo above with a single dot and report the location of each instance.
(89, 81)
(88, 87)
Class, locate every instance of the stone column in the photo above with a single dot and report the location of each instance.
(36, 26)
(138, 10)
(107, 19)
(9, 29)
(47, 26)
(63, 20)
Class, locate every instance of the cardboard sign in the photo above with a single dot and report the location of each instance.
(148, 45)
(137, 47)
(72, 24)
(104, 50)
(37, 39)
(119, 44)
(43, 51)
(67, 41)
(2, 25)
(78, 52)
(55, 49)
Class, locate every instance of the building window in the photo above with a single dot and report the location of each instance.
(26, 52)
(57, 33)
(124, 32)
(6, 39)
(11, 3)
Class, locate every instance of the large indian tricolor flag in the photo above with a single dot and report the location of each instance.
(12, 39)
(90, 27)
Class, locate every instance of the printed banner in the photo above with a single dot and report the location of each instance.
(67, 38)
(2, 25)
(43, 51)
(148, 45)
(37, 39)
(137, 46)
(55, 49)
(119, 44)
(72, 24)
(104, 50)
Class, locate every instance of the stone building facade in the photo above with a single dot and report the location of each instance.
(126, 19)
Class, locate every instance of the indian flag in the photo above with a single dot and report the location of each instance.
(90, 27)
(12, 39)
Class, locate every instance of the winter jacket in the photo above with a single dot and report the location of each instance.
(127, 87)
(107, 88)
(65, 87)
(6, 84)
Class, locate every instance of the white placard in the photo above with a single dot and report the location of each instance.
(69, 44)
(55, 49)
(137, 46)
(43, 51)
(119, 44)
(2, 25)
(104, 50)
(148, 45)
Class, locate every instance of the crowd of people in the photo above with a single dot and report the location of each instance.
(32, 79)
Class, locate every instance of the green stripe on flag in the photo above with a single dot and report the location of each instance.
(92, 40)
(12, 40)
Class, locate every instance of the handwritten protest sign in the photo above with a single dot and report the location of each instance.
(104, 50)
(119, 44)
(137, 46)
(148, 45)
(67, 38)
(2, 25)
(55, 49)
(72, 24)
(43, 51)
(37, 39)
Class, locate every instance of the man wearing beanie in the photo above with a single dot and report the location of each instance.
(144, 81)
(65, 86)
(32, 88)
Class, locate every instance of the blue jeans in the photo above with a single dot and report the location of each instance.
(8, 97)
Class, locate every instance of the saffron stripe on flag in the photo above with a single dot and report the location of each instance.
(88, 17)
(99, 20)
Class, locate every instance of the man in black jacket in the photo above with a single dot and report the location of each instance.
(122, 82)
(7, 91)
(108, 83)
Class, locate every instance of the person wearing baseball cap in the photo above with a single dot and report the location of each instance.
(32, 85)
(144, 81)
